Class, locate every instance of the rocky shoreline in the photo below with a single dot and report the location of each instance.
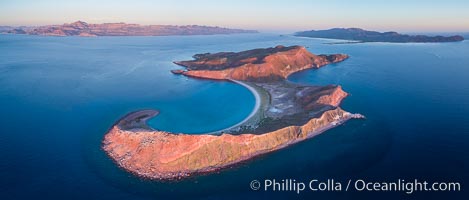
(231, 149)
(287, 113)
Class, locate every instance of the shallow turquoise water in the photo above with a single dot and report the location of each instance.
(59, 96)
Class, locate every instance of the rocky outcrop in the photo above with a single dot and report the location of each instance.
(177, 71)
(258, 65)
(361, 35)
(288, 113)
(80, 28)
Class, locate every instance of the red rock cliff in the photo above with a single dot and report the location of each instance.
(163, 155)
(268, 64)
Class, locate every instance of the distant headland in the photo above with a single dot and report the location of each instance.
(80, 28)
(360, 35)
(285, 113)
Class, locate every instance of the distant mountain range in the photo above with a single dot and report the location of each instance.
(361, 35)
(81, 28)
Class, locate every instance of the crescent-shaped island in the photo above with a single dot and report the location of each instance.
(285, 113)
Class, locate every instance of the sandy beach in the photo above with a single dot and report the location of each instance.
(255, 111)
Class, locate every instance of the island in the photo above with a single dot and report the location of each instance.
(359, 35)
(285, 113)
(80, 28)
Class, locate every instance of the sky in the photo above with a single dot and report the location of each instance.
(263, 15)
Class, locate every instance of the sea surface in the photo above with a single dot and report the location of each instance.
(59, 96)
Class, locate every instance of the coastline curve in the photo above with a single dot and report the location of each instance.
(284, 113)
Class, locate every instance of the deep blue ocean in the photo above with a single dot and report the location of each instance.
(59, 95)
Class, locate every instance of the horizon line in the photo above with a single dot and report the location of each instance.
(258, 29)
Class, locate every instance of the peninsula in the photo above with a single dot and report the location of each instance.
(360, 35)
(80, 28)
(286, 114)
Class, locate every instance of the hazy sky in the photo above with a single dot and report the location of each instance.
(264, 15)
